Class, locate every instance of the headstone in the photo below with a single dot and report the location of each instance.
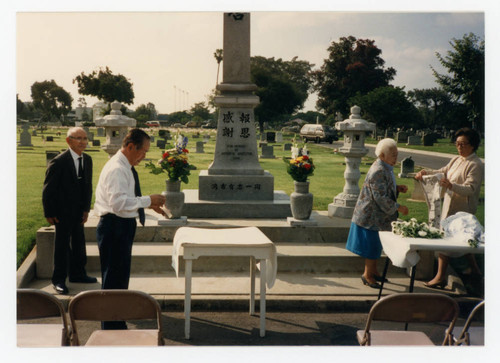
(388, 134)
(271, 136)
(96, 142)
(160, 143)
(196, 136)
(401, 137)
(100, 132)
(50, 138)
(414, 140)
(206, 138)
(49, 155)
(267, 152)
(199, 147)
(25, 137)
(34, 133)
(428, 140)
(90, 136)
(407, 167)
(279, 137)
(151, 139)
(287, 146)
(87, 130)
(236, 159)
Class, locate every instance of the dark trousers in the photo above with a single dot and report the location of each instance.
(115, 236)
(70, 255)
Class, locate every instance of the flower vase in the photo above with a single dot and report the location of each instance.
(301, 201)
(174, 199)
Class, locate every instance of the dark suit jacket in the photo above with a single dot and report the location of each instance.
(61, 191)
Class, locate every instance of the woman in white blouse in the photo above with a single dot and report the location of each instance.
(462, 181)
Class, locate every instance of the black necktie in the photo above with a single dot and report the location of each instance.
(80, 168)
(137, 189)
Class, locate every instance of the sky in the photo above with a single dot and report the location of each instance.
(168, 56)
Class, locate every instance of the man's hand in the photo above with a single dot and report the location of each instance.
(85, 217)
(52, 220)
(420, 174)
(157, 200)
(403, 210)
(159, 210)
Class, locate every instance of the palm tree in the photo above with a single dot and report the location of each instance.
(218, 57)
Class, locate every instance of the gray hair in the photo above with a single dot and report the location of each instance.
(72, 130)
(384, 146)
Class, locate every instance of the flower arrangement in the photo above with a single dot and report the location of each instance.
(174, 162)
(415, 229)
(299, 168)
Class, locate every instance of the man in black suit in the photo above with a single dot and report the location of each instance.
(67, 192)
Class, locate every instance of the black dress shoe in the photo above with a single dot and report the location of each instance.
(84, 279)
(60, 288)
(380, 279)
(374, 285)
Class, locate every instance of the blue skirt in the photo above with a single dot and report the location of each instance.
(364, 242)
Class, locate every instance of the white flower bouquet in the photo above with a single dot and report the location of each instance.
(415, 229)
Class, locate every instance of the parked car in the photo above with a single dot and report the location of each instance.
(318, 133)
(153, 123)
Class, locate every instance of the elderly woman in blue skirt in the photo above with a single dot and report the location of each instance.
(375, 209)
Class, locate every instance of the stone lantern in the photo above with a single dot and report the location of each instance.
(116, 127)
(354, 129)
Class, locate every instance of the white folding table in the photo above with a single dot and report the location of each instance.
(403, 251)
(192, 243)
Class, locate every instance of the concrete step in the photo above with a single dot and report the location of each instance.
(218, 290)
(156, 257)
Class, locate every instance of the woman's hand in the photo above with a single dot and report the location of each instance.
(420, 174)
(403, 210)
(445, 183)
(402, 188)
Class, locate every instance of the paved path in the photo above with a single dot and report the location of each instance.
(422, 158)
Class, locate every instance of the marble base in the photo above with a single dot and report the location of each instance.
(301, 222)
(182, 221)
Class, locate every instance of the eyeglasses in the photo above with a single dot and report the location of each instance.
(461, 144)
(79, 138)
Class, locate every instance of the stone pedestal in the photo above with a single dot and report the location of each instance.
(116, 127)
(353, 149)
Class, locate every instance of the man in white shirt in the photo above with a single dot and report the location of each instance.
(118, 204)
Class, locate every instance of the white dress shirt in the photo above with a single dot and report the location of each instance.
(115, 192)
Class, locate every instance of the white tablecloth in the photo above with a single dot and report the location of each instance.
(403, 250)
(239, 237)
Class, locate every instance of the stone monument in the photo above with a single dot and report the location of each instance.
(407, 167)
(354, 129)
(116, 127)
(235, 184)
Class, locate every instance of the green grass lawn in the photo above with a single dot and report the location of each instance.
(327, 182)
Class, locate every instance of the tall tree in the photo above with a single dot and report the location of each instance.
(435, 106)
(465, 78)
(200, 111)
(105, 86)
(283, 87)
(51, 100)
(353, 66)
(218, 54)
(388, 107)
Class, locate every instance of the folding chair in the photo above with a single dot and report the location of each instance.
(409, 308)
(470, 335)
(38, 304)
(116, 305)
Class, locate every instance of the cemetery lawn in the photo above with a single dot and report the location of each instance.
(325, 184)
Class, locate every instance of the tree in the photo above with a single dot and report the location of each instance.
(353, 66)
(465, 78)
(51, 100)
(105, 86)
(283, 87)
(387, 107)
(218, 54)
(200, 111)
(435, 106)
(142, 114)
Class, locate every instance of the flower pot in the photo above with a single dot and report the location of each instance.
(301, 201)
(174, 199)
